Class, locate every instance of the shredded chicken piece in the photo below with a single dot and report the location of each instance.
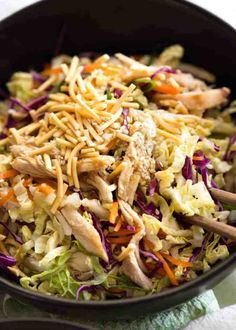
(20, 150)
(102, 186)
(129, 213)
(198, 72)
(134, 181)
(94, 206)
(125, 213)
(132, 217)
(84, 232)
(96, 144)
(32, 166)
(130, 268)
(124, 180)
(94, 164)
(187, 80)
(80, 262)
(135, 69)
(198, 102)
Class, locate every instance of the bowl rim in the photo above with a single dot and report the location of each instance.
(170, 292)
(49, 321)
(186, 3)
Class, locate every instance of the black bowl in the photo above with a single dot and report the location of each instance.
(33, 35)
(39, 324)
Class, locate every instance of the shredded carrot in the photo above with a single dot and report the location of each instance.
(114, 212)
(119, 224)
(5, 198)
(27, 182)
(50, 71)
(14, 200)
(88, 68)
(49, 182)
(198, 158)
(166, 267)
(167, 89)
(175, 261)
(119, 240)
(8, 174)
(122, 232)
(45, 189)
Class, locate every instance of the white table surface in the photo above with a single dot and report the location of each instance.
(226, 290)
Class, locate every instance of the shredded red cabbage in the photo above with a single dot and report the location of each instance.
(216, 147)
(198, 251)
(204, 175)
(38, 77)
(214, 185)
(152, 187)
(33, 104)
(11, 122)
(6, 261)
(85, 287)
(37, 102)
(16, 237)
(140, 196)
(117, 93)
(201, 165)
(150, 255)
(187, 170)
(149, 209)
(232, 154)
(229, 154)
(14, 101)
(2, 136)
(105, 242)
(163, 69)
(128, 227)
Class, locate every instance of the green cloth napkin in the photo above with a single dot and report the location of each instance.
(169, 320)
